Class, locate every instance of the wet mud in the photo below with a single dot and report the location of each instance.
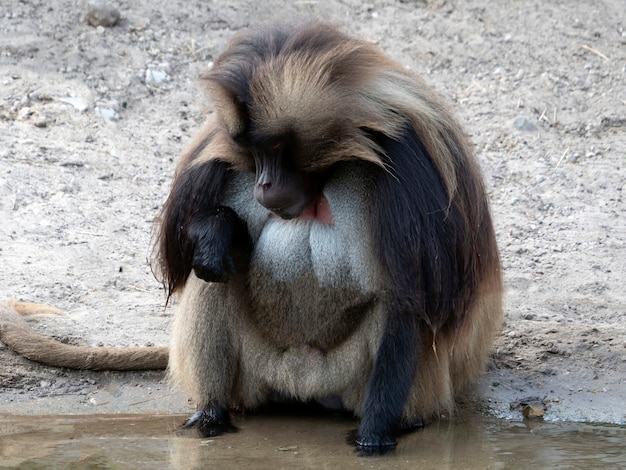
(290, 440)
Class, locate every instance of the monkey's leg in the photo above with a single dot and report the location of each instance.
(389, 385)
(204, 351)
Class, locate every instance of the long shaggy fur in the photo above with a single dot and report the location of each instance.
(425, 225)
(345, 100)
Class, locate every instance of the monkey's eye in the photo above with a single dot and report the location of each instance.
(267, 148)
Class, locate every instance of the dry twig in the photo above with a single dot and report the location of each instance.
(594, 51)
(562, 157)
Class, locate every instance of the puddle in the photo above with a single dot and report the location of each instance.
(275, 442)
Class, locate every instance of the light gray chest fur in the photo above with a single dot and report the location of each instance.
(310, 283)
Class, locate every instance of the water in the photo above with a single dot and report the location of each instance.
(287, 441)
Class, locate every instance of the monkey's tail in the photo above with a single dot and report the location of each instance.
(29, 308)
(19, 337)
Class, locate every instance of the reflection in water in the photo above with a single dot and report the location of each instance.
(296, 441)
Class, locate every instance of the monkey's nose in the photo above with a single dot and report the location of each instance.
(268, 196)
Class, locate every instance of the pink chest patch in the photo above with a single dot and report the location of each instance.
(319, 211)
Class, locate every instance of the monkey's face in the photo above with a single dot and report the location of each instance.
(294, 154)
(281, 186)
(291, 108)
(291, 148)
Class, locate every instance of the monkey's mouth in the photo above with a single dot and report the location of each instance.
(318, 211)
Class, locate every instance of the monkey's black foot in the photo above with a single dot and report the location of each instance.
(371, 445)
(209, 422)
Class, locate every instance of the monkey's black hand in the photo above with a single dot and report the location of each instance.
(209, 422)
(213, 235)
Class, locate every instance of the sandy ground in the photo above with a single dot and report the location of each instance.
(92, 120)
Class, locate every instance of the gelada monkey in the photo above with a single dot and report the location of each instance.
(329, 238)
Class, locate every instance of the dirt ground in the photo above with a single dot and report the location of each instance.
(92, 120)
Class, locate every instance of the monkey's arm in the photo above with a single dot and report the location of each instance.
(196, 232)
(414, 227)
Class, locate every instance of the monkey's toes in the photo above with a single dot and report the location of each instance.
(371, 445)
(208, 422)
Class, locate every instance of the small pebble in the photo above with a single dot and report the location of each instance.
(24, 113)
(41, 121)
(522, 124)
(102, 13)
(155, 76)
(533, 410)
(78, 103)
(107, 113)
(287, 448)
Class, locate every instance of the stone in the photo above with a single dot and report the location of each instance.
(102, 13)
